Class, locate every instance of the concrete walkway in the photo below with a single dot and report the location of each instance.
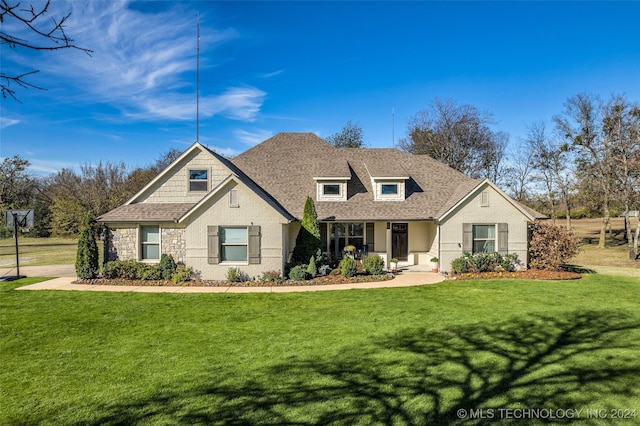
(404, 279)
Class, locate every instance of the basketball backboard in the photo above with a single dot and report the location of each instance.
(24, 218)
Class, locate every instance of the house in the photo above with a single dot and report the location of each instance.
(212, 213)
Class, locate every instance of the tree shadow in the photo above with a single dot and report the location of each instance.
(578, 269)
(417, 376)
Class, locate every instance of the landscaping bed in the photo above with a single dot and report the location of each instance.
(531, 274)
(326, 280)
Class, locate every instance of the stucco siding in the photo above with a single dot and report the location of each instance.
(174, 186)
(250, 210)
(475, 211)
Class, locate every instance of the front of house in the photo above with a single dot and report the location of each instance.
(213, 213)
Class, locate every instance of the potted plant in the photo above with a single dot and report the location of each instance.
(434, 267)
(350, 251)
(393, 265)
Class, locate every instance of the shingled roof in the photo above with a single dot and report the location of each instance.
(285, 165)
(147, 212)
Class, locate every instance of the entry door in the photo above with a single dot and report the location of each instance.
(399, 241)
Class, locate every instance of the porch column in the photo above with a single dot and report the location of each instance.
(388, 243)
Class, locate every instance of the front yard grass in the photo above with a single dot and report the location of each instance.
(388, 356)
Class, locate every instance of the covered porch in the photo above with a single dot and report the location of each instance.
(410, 242)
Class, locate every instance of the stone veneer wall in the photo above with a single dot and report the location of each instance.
(123, 243)
(173, 243)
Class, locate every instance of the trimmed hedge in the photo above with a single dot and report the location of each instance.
(484, 262)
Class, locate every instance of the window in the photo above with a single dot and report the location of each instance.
(484, 238)
(344, 234)
(389, 189)
(150, 242)
(331, 189)
(233, 244)
(198, 180)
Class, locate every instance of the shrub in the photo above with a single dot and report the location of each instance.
(298, 273)
(349, 266)
(234, 275)
(461, 264)
(148, 272)
(336, 271)
(484, 262)
(87, 254)
(127, 269)
(551, 246)
(373, 265)
(271, 277)
(167, 266)
(311, 269)
(183, 273)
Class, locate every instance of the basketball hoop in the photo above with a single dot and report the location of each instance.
(18, 219)
(22, 219)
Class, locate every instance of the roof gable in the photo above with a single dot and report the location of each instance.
(460, 197)
(176, 175)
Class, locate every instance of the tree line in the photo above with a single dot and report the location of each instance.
(587, 163)
(61, 201)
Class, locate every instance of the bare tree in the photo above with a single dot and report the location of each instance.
(620, 129)
(459, 136)
(581, 126)
(551, 161)
(519, 173)
(349, 137)
(44, 35)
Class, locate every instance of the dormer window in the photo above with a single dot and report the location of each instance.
(389, 189)
(331, 189)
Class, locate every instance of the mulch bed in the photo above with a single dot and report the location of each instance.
(529, 274)
(327, 280)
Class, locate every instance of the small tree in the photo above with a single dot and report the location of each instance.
(349, 137)
(551, 246)
(308, 239)
(87, 254)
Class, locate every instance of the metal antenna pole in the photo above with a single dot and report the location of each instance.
(198, 83)
(393, 127)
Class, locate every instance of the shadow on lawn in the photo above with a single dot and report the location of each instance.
(419, 376)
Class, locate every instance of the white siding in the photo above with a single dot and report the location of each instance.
(498, 210)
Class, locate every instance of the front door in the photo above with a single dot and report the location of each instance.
(399, 241)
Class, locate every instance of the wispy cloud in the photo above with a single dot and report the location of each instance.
(42, 167)
(252, 138)
(6, 122)
(143, 62)
(271, 74)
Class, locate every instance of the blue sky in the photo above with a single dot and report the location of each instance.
(269, 67)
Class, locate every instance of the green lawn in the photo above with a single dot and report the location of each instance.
(387, 356)
(39, 251)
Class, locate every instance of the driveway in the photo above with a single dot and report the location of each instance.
(41, 271)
